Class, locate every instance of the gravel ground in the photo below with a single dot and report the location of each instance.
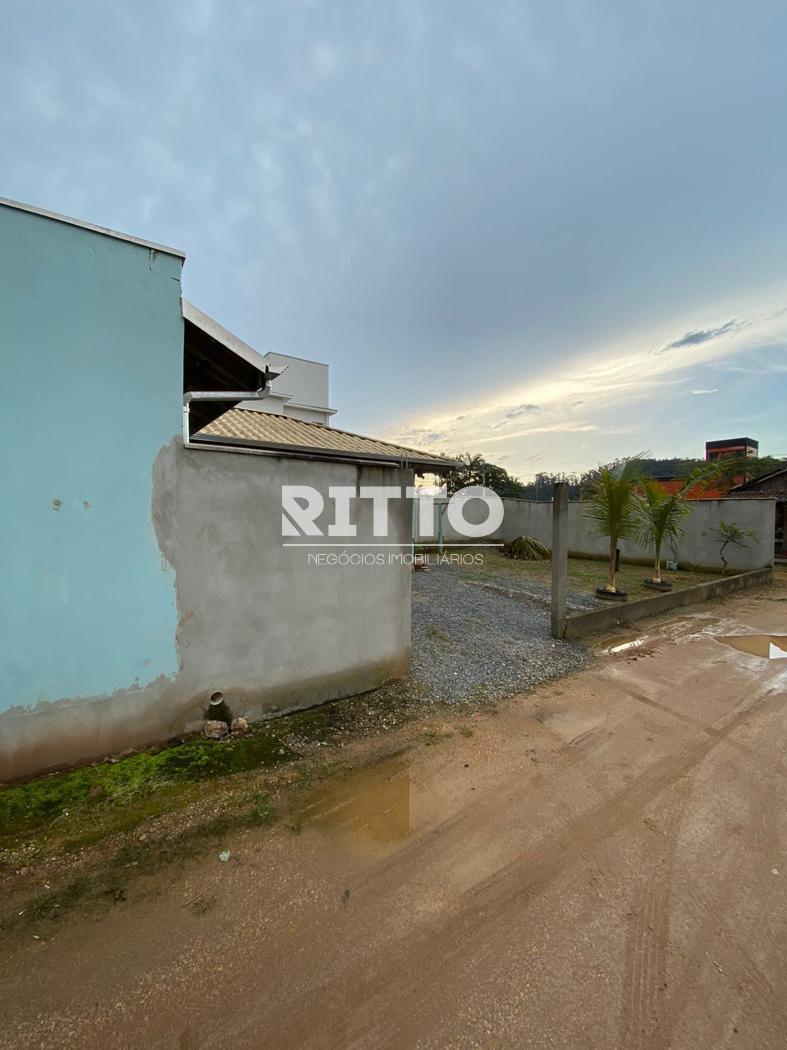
(484, 639)
(536, 594)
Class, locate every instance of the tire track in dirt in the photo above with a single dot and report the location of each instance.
(642, 1022)
(484, 917)
(754, 988)
(755, 993)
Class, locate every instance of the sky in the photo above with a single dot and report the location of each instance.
(552, 233)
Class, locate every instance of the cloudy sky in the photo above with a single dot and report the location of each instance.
(550, 232)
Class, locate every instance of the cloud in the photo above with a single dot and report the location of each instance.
(160, 158)
(576, 412)
(322, 62)
(196, 16)
(555, 428)
(521, 409)
(39, 90)
(702, 335)
(470, 55)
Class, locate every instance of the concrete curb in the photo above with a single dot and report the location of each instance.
(583, 624)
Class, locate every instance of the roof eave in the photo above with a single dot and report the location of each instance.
(432, 465)
(104, 231)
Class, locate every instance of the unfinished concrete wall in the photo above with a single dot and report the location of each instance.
(700, 548)
(258, 620)
(255, 620)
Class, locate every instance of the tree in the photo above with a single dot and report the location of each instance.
(661, 515)
(476, 471)
(730, 533)
(540, 488)
(612, 505)
(734, 470)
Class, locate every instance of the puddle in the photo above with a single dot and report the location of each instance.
(369, 808)
(769, 646)
(686, 627)
(623, 644)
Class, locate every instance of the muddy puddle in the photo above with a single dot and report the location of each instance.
(368, 810)
(768, 646)
(622, 643)
(682, 629)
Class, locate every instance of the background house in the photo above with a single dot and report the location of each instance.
(770, 487)
(301, 387)
(141, 573)
(744, 446)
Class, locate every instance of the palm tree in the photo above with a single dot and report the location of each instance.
(661, 515)
(612, 506)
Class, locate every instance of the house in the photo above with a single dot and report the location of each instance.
(769, 486)
(301, 387)
(145, 568)
(674, 484)
(714, 451)
(744, 446)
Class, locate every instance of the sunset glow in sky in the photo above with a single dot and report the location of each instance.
(552, 233)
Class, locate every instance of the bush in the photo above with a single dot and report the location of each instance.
(525, 548)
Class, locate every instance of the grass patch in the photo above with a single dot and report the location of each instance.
(82, 806)
(50, 801)
(584, 574)
(254, 810)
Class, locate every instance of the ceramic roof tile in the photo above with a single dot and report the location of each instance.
(272, 431)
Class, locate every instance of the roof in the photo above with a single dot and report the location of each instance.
(723, 442)
(275, 433)
(755, 483)
(222, 335)
(103, 230)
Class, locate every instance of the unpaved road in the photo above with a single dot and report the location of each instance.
(601, 864)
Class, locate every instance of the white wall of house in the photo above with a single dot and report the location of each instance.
(301, 391)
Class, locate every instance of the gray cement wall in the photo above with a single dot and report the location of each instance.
(256, 621)
(700, 549)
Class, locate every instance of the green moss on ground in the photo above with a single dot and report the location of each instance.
(137, 778)
(81, 806)
(109, 882)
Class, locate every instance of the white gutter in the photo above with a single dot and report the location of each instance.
(224, 395)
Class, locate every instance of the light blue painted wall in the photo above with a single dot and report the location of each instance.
(92, 349)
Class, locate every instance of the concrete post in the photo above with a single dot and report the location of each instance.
(559, 558)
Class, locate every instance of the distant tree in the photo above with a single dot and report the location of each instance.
(733, 470)
(475, 470)
(540, 488)
(612, 506)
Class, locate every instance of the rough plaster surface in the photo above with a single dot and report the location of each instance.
(255, 620)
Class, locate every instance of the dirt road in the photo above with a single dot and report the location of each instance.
(600, 864)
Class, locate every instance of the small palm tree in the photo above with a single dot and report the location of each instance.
(612, 506)
(661, 515)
